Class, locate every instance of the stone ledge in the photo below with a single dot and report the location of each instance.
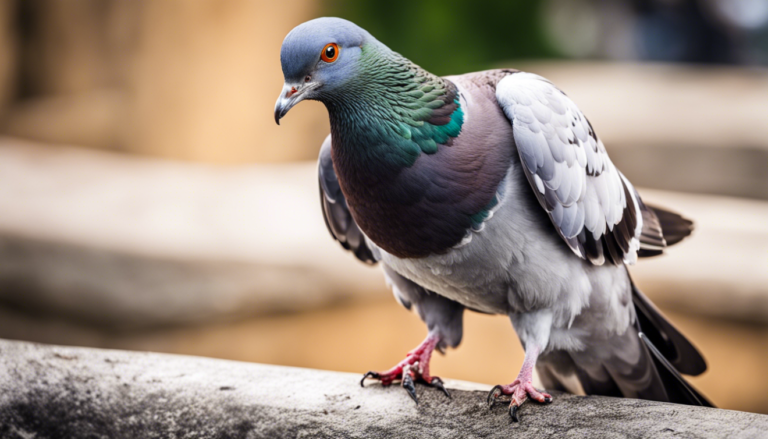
(52, 392)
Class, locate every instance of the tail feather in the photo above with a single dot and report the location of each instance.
(661, 228)
(645, 362)
(620, 367)
(674, 226)
(677, 388)
(673, 345)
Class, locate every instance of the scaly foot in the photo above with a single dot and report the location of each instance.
(519, 390)
(415, 367)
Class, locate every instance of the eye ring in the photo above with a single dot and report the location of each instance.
(330, 52)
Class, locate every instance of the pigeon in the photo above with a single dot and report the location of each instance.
(490, 191)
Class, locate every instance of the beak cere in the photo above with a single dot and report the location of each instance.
(289, 97)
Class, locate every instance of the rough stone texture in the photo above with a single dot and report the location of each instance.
(51, 392)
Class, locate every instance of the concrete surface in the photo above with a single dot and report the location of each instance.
(56, 392)
(490, 351)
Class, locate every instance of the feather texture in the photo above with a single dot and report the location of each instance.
(592, 206)
(439, 313)
(336, 213)
(669, 342)
(644, 362)
(454, 185)
(428, 206)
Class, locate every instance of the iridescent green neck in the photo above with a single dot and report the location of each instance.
(393, 111)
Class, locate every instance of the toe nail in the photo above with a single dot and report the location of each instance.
(369, 374)
(410, 387)
(492, 395)
(437, 382)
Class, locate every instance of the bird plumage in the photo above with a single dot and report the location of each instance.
(591, 204)
(491, 191)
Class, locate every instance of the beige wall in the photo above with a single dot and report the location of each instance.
(8, 52)
(194, 80)
(204, 77)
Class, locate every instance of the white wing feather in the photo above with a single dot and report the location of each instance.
(570, 171)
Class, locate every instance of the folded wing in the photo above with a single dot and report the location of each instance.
(593, 207)
(336, 214)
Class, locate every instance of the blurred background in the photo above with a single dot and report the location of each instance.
(148, 201)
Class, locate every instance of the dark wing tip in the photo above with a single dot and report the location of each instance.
(674, 227)
(677, 388)
(338, 219)
(675, 347)
(661, 228)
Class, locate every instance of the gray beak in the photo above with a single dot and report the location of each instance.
(290, 96)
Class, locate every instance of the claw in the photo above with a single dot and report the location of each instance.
(547, 399)
(513, 412)
(409, 386)
(437, 382)
(369, 374)
(493, 394)
(415, 367)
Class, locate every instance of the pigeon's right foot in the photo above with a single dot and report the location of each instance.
(415, 367)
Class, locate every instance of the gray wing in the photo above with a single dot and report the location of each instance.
(594, 208)
(336, 214)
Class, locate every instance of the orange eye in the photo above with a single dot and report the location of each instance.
(330, 52)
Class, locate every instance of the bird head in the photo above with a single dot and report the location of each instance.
(318, 57)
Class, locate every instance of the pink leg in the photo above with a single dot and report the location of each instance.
(413, 368)
(522, 388)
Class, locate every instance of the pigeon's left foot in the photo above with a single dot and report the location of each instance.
(414, 368)
(521, 389)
